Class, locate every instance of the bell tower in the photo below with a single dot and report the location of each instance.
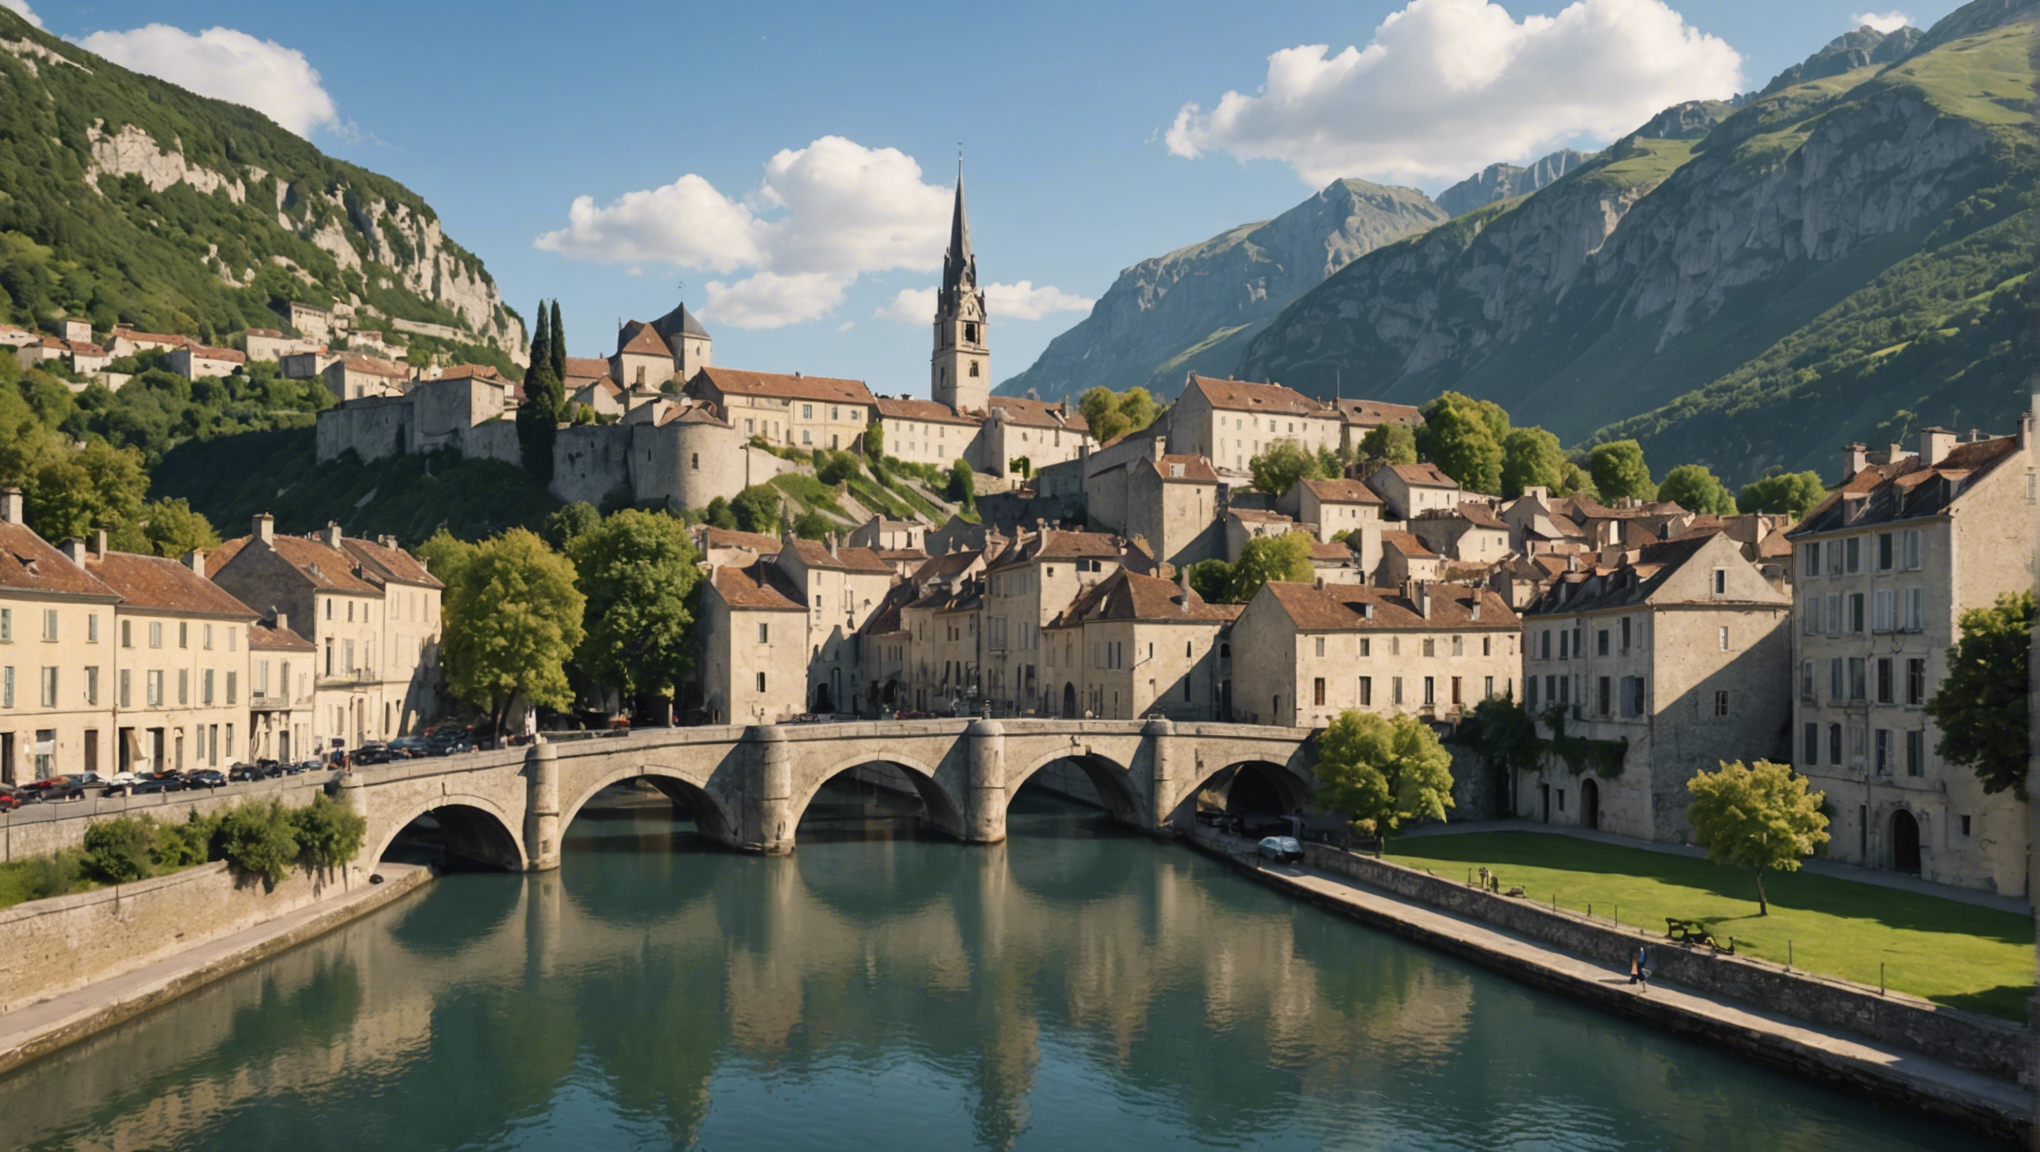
(960, 372)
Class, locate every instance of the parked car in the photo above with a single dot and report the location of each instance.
(10, 798)
(205, 778)
(164, 782)
(448, 742)
(374, 753)
(1283, 849)
(239, 773)
(303, 766)
(408, 747)
(117, 783)
(55, 788)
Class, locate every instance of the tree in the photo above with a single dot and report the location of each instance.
(545, 397)
(1383, 774)
(813, 525)
(173, 528)
(445, 555)
(121, 850)
(1791, 493)
(718, 514)
(1531, 458)
(1761, 817)
(637, 570)
(1463, 437)
(328, 833)
(512, 621)
(962, 487)
(1285, 558)
(1618, 471)
(556, 344)
(570, 522)
(1138, 406)
(259, 839)
(1575, 482)
(1694, 488)
(1278, 467)
(874, 442)
(1100, 407)
(1211, 580)
(1390, 444)
(756, 509)
(1504, 733)
(1981, 707)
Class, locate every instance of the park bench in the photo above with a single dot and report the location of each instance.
(1695, 932)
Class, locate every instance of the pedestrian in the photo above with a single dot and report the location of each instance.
(1643, 966)
(1635, 962)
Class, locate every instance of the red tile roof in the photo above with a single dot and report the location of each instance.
(907, 408)
(28, 563)
(1039, 413)
(371, 366)
(646, 341)
(1185, 469)
(1128, 595)
(383, 564)
(1422, 475)
(263, 638)
(737, 382)
(1374, 413)
(757, 588)
(586, 368)
(318, 565)
(158, 584)
(1245, 396)
(815, 554)
(1342, 492)
(1408, 545)
(1343, 606)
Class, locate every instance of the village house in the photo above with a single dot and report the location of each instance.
(1303, 653)
(920, 649)
(843, 588)
(1173, 504)
(1134, 645)
(1668, 665)
(125, 341)
(1359, 417)
(280, 698)
(1033, 434)
(353, 377)
(1410, 490)
(57, 657)
(1886, 567)
(754, 664)
(1233, 421)
(272, 345)
(1026, 586)
(924, 432)
(1404, 558)
(195, 361)
(798, 411)
(1469, 533)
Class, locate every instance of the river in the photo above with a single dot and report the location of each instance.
(1076, 987)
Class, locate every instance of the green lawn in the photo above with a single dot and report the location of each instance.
(1946, 951)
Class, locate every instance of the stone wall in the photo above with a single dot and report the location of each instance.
(48, 947)
(1994, 1047)
(494, 440)
(1478, 791)
(589, 460)
(41, 829)
(372, 428)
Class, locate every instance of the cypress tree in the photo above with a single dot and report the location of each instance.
(544, 395)
(558, 343)
(541, 347)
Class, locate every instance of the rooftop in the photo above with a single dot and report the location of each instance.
(158, 584)
(1246, 396)
(737, 382)
(1335, 607)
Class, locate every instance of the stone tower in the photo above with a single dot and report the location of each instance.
(960, 372)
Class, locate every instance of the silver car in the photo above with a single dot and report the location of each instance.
(1283, 849)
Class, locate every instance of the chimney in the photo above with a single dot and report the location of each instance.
(830, 539)
(1367, 610)
(331, 536)
(1476, 605)
(282, 621)
(10, 505)
(195, 560)
(1855, 458)
(1896, 453)
(387, 541)
(1935, 444)
(99, 542)
(1320, 583)
(1422, 595)
(265, 528)
(74, 550)
(1572, 562)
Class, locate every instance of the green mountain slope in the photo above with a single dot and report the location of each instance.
(127, 199)
(1740, 288)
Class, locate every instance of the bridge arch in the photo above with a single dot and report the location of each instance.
(944, 812)
(1113, 781)
(712, 818)
(1255, 784)
(476, 827)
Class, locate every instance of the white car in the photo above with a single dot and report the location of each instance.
(1283, 849)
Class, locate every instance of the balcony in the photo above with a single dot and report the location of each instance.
(276, 702)
(356, 678)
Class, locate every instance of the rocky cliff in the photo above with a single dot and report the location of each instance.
(129, 199)
(1498, 182)
(1723, 268)
(1194, 309)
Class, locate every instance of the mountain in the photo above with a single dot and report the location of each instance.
(1498, 182)
(125, 198)
(1194, 309)
(1749, 286)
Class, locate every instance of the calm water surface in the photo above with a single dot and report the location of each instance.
(1076, 987)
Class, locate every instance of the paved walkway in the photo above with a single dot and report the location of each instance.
(1839, 1056)
(1839, 871)
(38, 1029)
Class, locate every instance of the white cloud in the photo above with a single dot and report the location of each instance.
(1022, 301)
(227, 65)
(819, 218)
(1448, 86)
(21, 7)
(846, 325)
(1888, 23)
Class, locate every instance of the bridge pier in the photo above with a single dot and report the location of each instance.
(542, 808)
(984, 817)
(1160, 736)
(768, 807)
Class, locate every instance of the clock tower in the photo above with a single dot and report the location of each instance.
(961, 369)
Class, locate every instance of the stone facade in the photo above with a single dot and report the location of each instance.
(1173, 504)
(1026, 587)
(754, 660)
(1232, 421)
(960, 368)
(57, 658)
(1136, 646)
(797, 411)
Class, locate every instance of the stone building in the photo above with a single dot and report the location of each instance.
(1886, 566)
(1671, 663)
(1410, 490)
(1173, 504)
(353, 377)
(1331, 507)
(924, 432)
(1470, 533)
(57, 658)
(1026, 586)
(798, 411)
(1244, 524)
(1134, 645)
(280, 699)
(960, 369)
(1232, 421)
(1303, 653)
(1359, 417)
(921, 649)
(754, 654)
(1030, 432)
(648, 356)
(842, 588)
(181, 661)
(125, 341)
(269, 344)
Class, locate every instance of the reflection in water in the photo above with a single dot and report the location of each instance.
(1077, 986)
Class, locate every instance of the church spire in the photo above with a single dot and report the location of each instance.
(959, 266)
(960, 370)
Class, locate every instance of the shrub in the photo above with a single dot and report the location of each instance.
(184, 845)
(121, 850)
(260, 840)
(327, 833)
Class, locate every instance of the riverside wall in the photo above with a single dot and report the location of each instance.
(1994, 1047)
(41, 829)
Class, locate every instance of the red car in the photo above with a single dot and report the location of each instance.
(9, 799)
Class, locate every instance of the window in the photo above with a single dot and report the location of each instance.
(1834, 557)
(1487, 646)
(1430, 691)
(1837, 687)
(1884, 615)
(1810, 744)
(1854, 550)
(1430, 646)
(1806, 680)
(1915, 618)
(1603, 697)
(1487, 691)
(1886, 689)
(1834, 615)
(1835, 744)
(1395, 690)
(1545, 648)
(45, 751)
(1916, 680)
(1858, 678)
(329, 607)
(205, 687)
(1721, 581)
(49, 624)
(155, 688)
(1321, 652)
(206, 638)
(92, 628)
(1809, 616)
(761, 681)
(807, 411)
(1723, 637)
(1625, 634)
(49, 687)
(1367, 691)
(1721, 703)
(1564, 645)
(1317, 691)
(1880, 751)
(1962, 822)
(183, 635)
(1855, 613)
(183, 686)
(125, 696)
(1915, 751)
(1909, 551)
(1530, 695)
(1459, 645)
(233, 683)
(1887, 551)
(6, 625)
(155, 633)
(1601, 642)
(127, 633)
(1809, 558)
(92, 684)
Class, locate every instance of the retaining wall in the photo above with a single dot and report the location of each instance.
(1981, 1043)
(40, 829)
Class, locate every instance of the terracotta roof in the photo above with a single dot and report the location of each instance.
(1185, 470)
(163, 585)
(227, 354)
(691, 414)
(645, 341)
(757, 542)
(1344, 606)
(1330, 550)
(270, 332)
(1057, 544)
(1623, 584)
(1342, 492)
(384, 565)
(318, 565)
(586, 368)
(1126, 595)
(1471, 511)
(741, 383)
(1039, 413)
(1908, 489)
(263, 638)
(907, 408)
(1422, 475)
(1244, 396)
(28, 563)
(1408, 545)
(946, 565)
(1374, 413)
(759, 587)
(472, 372)
(1259, 516)
(162, 337)
(815, 554)
(371, 365)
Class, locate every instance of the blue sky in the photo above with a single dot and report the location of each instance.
(1082, 157)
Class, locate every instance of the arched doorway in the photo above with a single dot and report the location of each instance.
(1590, 803)
(1905, 843)
(1069, 709)
(824, 701)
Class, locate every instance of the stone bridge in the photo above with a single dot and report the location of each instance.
(748, 787)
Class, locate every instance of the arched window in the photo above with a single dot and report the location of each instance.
(973, 369)
(970, 333)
